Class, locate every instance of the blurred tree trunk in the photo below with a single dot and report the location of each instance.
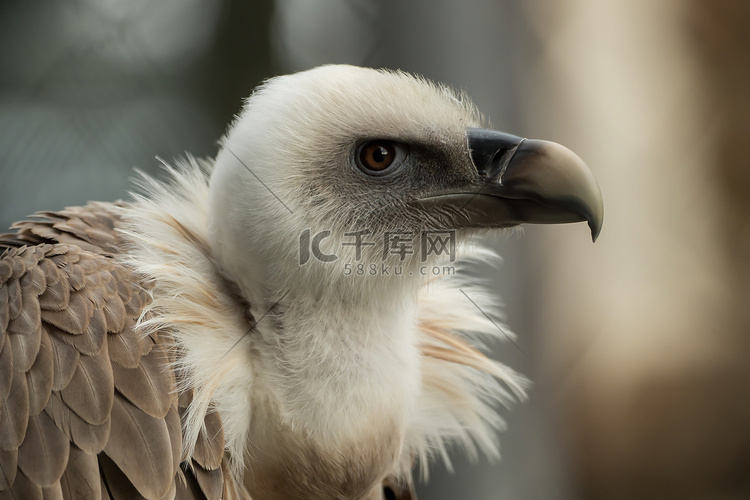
(648, 330)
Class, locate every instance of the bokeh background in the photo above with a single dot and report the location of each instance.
(638, 345)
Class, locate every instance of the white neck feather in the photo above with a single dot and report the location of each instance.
(301, 367)
(330, 362)
(337, 363)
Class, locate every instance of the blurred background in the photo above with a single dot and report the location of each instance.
(638, 345)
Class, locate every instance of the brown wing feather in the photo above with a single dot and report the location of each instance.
(91, 390)
(114, 481)
(189, 488)
(125, 349)
(14, 299)
(57, 294)
(14, 414)
(88, 407)
(43, 455)
(75, 318)
(6, 368)
(211, 482)
(147, 385)
(89, 438)
(64, 362)
(24, 346)
(8, 467)
(209, 448)
(22, 488)
(81, 478)
(53, 492)
(89, 344)
(151, 472)
(40, 377)
(4, 310)
(29, 317)
(174, 428)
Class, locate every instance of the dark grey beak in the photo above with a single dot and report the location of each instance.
(522, 181)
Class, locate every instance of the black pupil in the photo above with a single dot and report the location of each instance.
(379, 154)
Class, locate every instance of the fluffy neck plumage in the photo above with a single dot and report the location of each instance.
(335, 350)
(337, 379)
(337, 361)
(169, 233)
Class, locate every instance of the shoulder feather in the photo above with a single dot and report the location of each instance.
(88, 403)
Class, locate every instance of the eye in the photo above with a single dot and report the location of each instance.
(375, 157)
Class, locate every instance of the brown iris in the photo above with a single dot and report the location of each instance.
(377, 155)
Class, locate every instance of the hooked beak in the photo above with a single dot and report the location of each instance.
(521, 181)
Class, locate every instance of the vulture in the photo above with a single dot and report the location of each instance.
(281, 322)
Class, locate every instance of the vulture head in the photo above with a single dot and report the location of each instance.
(319, 156)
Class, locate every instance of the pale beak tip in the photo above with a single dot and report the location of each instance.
(596, 228)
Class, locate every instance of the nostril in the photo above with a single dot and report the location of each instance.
(491, 150)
